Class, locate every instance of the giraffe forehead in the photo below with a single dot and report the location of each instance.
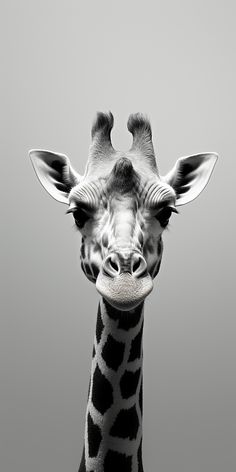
(122, 180)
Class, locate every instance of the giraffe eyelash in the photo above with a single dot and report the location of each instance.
(174, 209)
(71, 210)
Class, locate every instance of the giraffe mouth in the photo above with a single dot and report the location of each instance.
(124, 291)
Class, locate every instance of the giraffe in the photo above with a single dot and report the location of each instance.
(121, 206)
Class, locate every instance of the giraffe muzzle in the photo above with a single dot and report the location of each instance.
(124, 282)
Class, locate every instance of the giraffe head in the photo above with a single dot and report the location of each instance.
(121, 206)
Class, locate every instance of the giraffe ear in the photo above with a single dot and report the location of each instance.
(55, 173)
(190, 175)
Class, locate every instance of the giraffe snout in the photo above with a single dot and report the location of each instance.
(117, 263)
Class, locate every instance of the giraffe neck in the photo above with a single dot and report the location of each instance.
(113, 429)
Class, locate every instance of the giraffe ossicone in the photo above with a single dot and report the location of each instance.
(121, 206)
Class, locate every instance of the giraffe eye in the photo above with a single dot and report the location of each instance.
(164, 215)
(80, 217)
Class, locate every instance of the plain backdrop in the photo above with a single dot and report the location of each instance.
(61, 61)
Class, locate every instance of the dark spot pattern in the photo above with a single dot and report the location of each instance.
(94, 437)
(159, 247)
(82, 250)
(141, 398)
(129, 383)
(87, 269)
(140, 460)
(126, 424)
(94, 352)
(126, 319)
(95, 270)
(136, 346)
(99, 325)
(102, 394)
(113, 352)
(117, 462)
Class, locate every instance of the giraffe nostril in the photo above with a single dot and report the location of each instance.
(136, 265)
(111, 266)
(114, 265)
(139, 266)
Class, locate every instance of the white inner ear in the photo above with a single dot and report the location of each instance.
(55, 173)
(190, 175)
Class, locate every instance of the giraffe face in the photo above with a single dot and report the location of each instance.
(122, 206)
(121, 218)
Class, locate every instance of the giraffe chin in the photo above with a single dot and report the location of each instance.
(124, 292)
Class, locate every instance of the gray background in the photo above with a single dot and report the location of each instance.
(61, 61)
